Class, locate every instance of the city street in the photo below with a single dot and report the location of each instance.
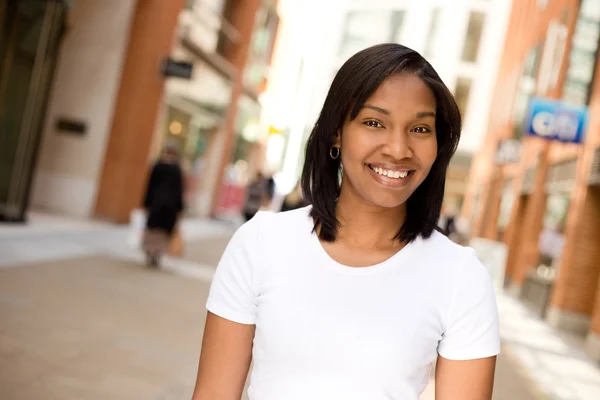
(96, 324)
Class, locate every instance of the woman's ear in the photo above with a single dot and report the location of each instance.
(337, 141)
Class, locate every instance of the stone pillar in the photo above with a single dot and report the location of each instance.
(126, 164)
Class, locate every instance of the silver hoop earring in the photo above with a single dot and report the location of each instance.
(334, 154)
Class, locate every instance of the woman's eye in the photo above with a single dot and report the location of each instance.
(373, 124)
(421, 129)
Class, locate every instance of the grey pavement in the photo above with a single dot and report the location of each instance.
(98, 328)
(84, 319)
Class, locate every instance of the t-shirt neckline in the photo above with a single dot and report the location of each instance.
(346, 269)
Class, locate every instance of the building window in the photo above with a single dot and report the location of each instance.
(461, 94)
(532, 61)
(526, 89)
(506, 205)
(397, 24)
(582, 58)
(364, 29)
(473, 39)
(432, 35)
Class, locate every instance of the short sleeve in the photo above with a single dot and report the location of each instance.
(233, 290)
(472, 328)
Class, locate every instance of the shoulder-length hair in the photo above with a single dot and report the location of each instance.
(354, 83)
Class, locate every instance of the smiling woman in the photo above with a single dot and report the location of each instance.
(357, 295)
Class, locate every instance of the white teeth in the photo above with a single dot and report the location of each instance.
(391, 173)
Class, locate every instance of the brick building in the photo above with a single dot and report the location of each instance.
(543, 201)
(86, 103)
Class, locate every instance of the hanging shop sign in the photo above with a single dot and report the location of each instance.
(177, 69)
(555, 120)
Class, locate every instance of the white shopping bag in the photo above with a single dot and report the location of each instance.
(137, 226)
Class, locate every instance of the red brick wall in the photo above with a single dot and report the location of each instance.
(576, 288)
(577, 283)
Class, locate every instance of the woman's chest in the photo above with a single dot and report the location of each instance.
(368, 322)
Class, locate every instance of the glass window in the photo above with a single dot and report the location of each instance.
(520, 109)
(461, 94)
(367, 28)
(506, 205)
(432, 35)
(552, 238)
(473, 39)
(526, 89)
(30, 35)
(532, 61)
(397, 24)
(582, 57)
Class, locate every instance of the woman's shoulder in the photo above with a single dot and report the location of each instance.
(277, 223)
(444, 252)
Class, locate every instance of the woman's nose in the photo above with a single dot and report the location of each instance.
(398, 145)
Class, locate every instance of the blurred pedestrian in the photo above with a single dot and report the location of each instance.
(163, 204)
(256, 196)
(294, 199)
(450, 225)
(271, 186)
(357, 295)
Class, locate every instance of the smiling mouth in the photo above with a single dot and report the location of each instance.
(390, 173)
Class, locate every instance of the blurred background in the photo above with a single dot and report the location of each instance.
(91, 92)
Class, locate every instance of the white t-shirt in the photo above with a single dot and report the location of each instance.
(328, 331)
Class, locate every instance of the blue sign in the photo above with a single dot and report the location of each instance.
(555, 120)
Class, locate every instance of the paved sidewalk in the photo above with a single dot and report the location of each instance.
(83, 319)
(98, 328)
(554, 360)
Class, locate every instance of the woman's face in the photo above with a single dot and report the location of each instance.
(387, 151)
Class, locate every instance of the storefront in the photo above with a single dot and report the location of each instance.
(540, 279)
(506, 205)
(193, 116)
(30, 34)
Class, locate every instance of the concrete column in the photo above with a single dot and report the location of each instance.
(126, 164)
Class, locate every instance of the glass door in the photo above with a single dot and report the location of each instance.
(30, 33)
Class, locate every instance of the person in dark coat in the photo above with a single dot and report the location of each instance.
(256, 195)
(294, 199)
(163, 204)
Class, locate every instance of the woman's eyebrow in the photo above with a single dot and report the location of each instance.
(378, 109)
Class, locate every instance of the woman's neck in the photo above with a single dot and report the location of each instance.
(365, 225)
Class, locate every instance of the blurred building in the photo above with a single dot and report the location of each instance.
(214, 117)
(90, 91)
(305, 40)
(462, 39)
(541, 197)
